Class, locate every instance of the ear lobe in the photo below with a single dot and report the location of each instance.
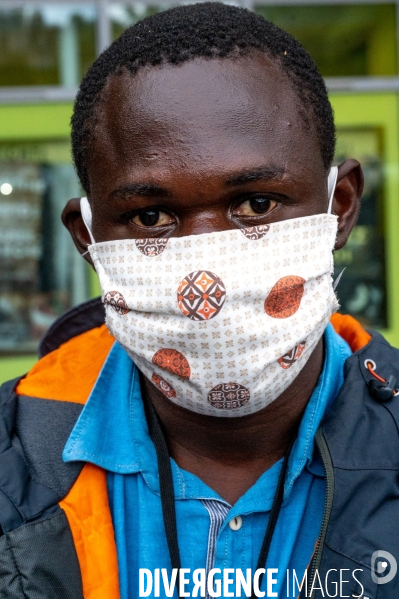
(346, 202)
(73, 221)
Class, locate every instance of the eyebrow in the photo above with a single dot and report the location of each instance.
(139, 189)
(247, 176)
(257, 174)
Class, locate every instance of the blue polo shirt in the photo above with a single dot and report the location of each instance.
(112, 433)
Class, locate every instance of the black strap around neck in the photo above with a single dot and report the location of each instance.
(166, 485)
(168, 497)
(274, 514)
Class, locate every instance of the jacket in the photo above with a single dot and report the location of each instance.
(57, 536)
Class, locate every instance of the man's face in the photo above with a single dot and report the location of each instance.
(205, 146)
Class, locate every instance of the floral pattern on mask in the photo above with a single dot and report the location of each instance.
(292, 356)
(152, 246)
(173, 361)
(256, 232)
(285, 297)
(201, 295)
(116, 301)
(228, 396)
(163, 386)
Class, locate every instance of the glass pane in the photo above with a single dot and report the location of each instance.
(362, 288)
(46, 44)
(123, 16)
(344, 40)
(41, 273)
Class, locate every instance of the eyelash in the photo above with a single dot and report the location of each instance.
(128, 216)
(258, 196)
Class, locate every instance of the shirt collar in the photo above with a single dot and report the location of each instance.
(103, 435)
(112, 431)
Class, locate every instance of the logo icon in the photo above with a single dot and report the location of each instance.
(383, 567)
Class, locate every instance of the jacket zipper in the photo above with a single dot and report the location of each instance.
(329, 471)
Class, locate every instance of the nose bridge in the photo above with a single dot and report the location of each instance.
(200, 198)
(205, 219)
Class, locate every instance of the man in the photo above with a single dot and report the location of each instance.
(221, 429)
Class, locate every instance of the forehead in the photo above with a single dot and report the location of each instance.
(203, 115)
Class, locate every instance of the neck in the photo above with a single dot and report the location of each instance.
(229, 454)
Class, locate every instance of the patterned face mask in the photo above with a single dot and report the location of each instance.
(221, 323)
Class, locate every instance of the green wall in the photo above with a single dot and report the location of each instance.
(35, 122)
(31, 123)
(381, 110)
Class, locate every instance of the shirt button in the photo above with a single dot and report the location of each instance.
(236, 523)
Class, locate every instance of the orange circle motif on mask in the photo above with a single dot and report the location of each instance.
(285, 297)
(173, 361)
(163, 386)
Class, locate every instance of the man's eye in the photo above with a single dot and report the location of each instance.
(152, 217)
(256, 206)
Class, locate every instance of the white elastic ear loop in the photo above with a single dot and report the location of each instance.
(86, 215)
(331, 183)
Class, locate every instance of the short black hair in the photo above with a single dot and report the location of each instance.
(206, 30)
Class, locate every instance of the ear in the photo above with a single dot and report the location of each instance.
(73, 221)
(346, 202)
